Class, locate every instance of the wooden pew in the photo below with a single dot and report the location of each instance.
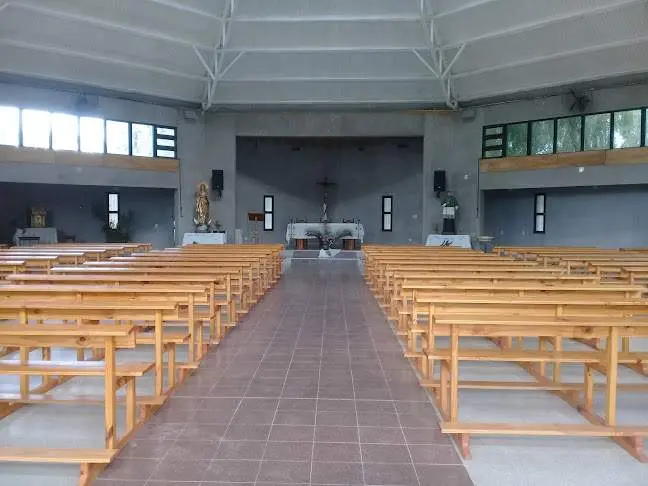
(109, 338)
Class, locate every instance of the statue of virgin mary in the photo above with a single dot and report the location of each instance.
(202, 219)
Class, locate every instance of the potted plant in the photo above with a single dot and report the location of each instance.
(114, 233)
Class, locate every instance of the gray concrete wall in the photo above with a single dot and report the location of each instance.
(70, 210)
(605, 216)
(452, 143)
(364, 169)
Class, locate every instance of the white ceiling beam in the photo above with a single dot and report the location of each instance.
(219, 70)
(185, 8)
(334, 49)
(429, 66)
(98, 58)
(203, 61)
(106, 24)
(558, 55)
(462, 8)
(546, 21)
(315, 78)
(332, 18)
(440, 64)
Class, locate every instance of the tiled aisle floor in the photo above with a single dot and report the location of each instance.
(312, 388)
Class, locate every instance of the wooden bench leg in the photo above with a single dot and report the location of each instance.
(110, 393)
(589, 389)
(463, 441)
(89, 472)
(46, 354)
(171, 365)
(131, 404)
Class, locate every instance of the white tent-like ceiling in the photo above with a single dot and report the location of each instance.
(255, 53)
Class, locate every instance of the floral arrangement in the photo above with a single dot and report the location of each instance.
(326, 238)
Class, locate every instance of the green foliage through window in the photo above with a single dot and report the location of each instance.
(597, 132)
(569, 134)
(627, 129)
(516, 139)
(542, 137)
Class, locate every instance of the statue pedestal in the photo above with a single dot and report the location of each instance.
(204, 239)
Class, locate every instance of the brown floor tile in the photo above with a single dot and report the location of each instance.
(172, 469)
(250, 450)
(285, 472)
(288, 451)
(234, 471)
(391, 474)
(337, 473)
(329, 452)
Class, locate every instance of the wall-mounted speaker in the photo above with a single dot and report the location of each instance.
(439, 181)
(217, 182)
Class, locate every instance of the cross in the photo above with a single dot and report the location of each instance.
(326, 183)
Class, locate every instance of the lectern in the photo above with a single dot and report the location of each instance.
(255, 220)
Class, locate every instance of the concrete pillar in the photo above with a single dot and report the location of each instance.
(452, 142)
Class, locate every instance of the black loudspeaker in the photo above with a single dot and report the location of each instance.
(217, 181)
(439, 181)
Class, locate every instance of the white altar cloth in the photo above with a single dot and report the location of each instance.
(46, 235)
(457, 241)
(204, 239)
(297, 231)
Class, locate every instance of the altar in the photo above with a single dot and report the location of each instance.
(299, 231)
(204, 239)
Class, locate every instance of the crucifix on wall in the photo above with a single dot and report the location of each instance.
(326, 184)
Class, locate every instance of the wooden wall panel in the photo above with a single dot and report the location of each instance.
(575, 159)
(41, 156)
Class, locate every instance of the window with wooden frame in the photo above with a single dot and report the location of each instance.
(387, 212)
(539, 213)
(113, 210)
(268, 213)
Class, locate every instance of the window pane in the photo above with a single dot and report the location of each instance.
(542, 134)
(569, 134)
(268, 204)
(9, 125)
(387, 222)
(92, 135)
(597, 132)
(36, 128)
(165, 131)
(646, 128)
(142, 140)
(65, 132)
(627, 129)
(387, 205)
(167, 154)
(117, 137)
(165, 142)
(540, 223)
(516, 139)
(494, 130)
(113, 202)
(490, 154)
(113, 220)
(540, 204)
(493, 142)
(267, 223)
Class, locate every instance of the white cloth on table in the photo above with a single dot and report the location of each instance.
(457, 241)
(46, 235)
(297, 231)
(204, 239)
